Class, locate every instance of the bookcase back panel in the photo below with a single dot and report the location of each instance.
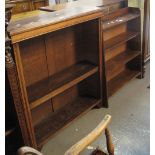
(65, 98)
(62, 49)
(90, 42)
(115, 31)
(41, 112)
(33, 54)
(109, 54)
(91, 86)
(113, 70)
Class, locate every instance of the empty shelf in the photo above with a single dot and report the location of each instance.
(44, 90)
(113, 65)
(122, 78)
(124, 37)
(60, 119)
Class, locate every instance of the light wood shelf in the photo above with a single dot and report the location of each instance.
(122, 38)
(58, 83)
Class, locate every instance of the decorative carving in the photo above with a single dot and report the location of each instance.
(8, 57)
(12, 75)
(14, 82)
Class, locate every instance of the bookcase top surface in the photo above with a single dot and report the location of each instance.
(44, 23)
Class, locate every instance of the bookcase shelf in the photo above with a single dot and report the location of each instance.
(48, 127)
(59, 82)
(116, 41)
(118, 61)
(120, 80)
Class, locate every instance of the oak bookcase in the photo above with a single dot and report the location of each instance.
(57, 74)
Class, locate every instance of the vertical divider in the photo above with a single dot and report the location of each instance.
(102, 67)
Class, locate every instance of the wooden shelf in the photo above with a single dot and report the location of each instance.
(114, 64)
(119, 20)
(47, 128)
(118, 40)
(58, 83)
(123, 58)
(120, 80)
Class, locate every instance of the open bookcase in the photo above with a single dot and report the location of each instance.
(59, 70)
(122, 47)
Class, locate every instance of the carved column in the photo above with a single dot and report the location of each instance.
(13, 80)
